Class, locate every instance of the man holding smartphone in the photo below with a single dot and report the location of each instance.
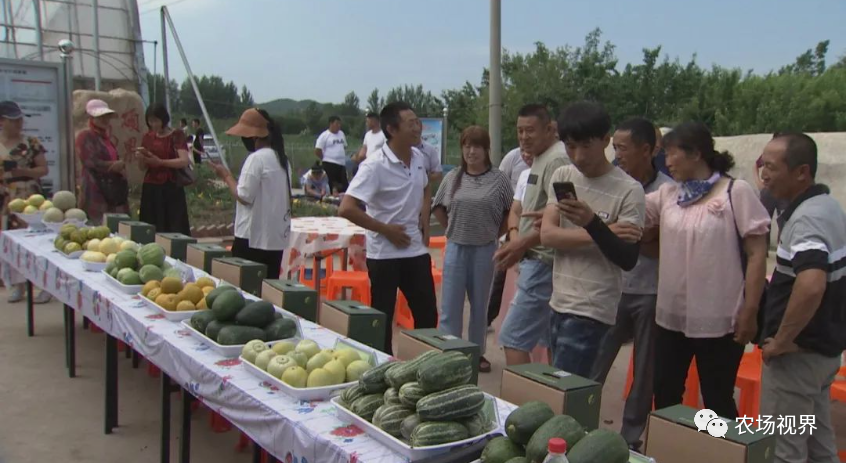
(527, 321)
(594, 225)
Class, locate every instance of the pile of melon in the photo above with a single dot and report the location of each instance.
(139, 265)
(73, 239)
(172, 295)
(62, 207)
(306, 365)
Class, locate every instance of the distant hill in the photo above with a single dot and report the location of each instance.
(284, 106)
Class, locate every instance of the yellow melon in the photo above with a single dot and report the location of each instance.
(149, 286)
(205, 282)
(183, 306)
(171, 285)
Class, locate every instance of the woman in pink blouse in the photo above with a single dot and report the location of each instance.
(707, 301)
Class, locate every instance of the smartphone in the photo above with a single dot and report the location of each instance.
(564, 190)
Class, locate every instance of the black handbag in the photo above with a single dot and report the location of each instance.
(744, 260)
(113, 187)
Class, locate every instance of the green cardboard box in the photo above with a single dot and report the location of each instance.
(112, 221)
(140, 232)
(201, 255)
(564, 392)
(242, 273)
(672, 435)
(291, 296)
(412, 343)
(175, 244)
(354, 320)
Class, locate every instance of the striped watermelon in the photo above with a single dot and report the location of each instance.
(410, 393)
(406, 372)
(443, 371)
(437, 432)
(408, 424)
(366, 406)
(350, 395)
(392, 396)
(390, 420)
(451, 404)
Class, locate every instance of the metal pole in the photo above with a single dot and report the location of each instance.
(66, 48)
(39, 39)
(164, 59)
(97, 76)
(193, 81)
(445, 134)
(495, 93)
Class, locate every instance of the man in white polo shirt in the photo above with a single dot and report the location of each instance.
(431, 161)
(373, 139)
(393, 185)
(331, 149)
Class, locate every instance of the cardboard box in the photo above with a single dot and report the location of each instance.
(112, 221)
(672, 436)
(411, 343)
(294, 297)
(140, 232)
(175, 244)
(564, 392)
(354, 320)
(201, 255)
(242, 273)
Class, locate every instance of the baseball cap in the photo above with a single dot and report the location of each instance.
(251, 125)
(10, 110)
(97, 108)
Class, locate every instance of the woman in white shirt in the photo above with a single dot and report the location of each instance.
(262, 192)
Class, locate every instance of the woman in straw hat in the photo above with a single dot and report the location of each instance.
(262, 192)
(104, 188)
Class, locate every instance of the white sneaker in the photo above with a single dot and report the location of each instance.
(43, 297)
(15, 295)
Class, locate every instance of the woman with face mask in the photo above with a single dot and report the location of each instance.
(262, 192)
(472, 204)
(164, 152)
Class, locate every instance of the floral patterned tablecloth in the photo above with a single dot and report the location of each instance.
(294, 431)
(310, 235)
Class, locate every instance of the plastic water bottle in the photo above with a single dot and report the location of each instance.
(557, 449)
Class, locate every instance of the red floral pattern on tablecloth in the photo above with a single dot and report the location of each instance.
(310, 235)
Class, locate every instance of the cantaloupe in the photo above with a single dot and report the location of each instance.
(64, 200)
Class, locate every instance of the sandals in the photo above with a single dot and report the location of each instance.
(484, 365)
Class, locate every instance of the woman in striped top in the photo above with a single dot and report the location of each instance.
(472, 205)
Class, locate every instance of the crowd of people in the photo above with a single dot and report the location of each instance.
(660, 245)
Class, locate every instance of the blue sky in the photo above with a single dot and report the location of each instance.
(322, 49)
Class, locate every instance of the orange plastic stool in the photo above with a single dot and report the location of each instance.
(749, 382)
(218, 423)
(438, 242)
(402, 313)
(358, 281)
(691, 385)
(329, 259)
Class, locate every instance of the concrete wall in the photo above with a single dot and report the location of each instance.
(747, 148)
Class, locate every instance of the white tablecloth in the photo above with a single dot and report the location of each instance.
(310, 235)
(293, 431)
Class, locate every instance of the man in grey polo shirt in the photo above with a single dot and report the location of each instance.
(634, 142)
(804, 323)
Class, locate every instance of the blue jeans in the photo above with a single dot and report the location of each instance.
(527, 321)
(467, 270)
(575, 343)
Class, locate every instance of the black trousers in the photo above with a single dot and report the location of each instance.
(337, 177)
(272, 259)
(717, 361)
(412, 276)
(497, 287)
(165, 207)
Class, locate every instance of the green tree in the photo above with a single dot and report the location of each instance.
(350, 106)
(374, 103)
(156, 88)
(246, 99)
(424, 103)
